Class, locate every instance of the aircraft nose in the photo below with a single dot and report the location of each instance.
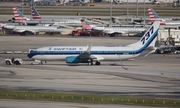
(30, 55)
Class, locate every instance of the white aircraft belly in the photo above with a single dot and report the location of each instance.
(99, 57)
(52, 57)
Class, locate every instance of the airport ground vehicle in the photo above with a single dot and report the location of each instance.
(13, 61)
(85, 33)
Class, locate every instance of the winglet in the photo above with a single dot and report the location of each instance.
(89, 48)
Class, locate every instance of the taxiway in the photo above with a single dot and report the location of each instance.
(155, 76)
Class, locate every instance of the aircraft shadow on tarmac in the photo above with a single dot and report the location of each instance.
(111, 64)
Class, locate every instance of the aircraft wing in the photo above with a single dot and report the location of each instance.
(23, 30)
(87, 55)
(121, 32)
(111, 32)
(100, 21)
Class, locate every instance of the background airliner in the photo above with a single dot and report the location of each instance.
(24, 30)
(154, 17)
(89, 54)
(72, 22)
(112, 30)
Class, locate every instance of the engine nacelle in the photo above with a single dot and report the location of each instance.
(72, 59)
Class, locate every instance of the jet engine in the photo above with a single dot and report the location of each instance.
(72, 59)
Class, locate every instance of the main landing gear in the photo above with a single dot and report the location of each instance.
(98, 63)
(91, 63)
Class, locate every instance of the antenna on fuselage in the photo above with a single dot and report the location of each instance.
(122, 63)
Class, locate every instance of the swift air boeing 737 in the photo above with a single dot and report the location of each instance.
(89, 54)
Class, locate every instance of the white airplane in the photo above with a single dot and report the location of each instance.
(154, 17)
(157, 2)
(83, 2)
(73, 22)
(89, 54)
(24, 30)
(112, 30)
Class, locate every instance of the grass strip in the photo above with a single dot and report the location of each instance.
(93, 99)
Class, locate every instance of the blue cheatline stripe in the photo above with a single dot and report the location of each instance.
(30, 55)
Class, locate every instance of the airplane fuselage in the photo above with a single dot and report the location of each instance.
(33, 28)
(119, 29)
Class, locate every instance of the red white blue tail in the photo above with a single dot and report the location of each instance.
(18, 16)
(154, 16)
(34, 13)
(86, 25)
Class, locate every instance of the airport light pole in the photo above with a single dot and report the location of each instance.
(22, 4)
(144, 12)
(110, 13)
(137, 8)
(31, 9)
(127, 5)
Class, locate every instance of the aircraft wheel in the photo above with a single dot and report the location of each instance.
(41, 63)
(8, 63)
(89, 63)
(16, 63)
(98, 63)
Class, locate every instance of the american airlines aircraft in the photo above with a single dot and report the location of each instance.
(37, 16)
(74, 22)
(90, 54)
(154, 17)
(112, 30)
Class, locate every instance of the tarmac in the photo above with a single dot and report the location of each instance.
(156, 75)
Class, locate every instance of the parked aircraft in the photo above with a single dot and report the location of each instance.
(24, 30)
(74, 22)
(112, 30)
(38, 1)
(89, 54)
(157, 2)
(18, 16)
(83, 2)
(154, 17)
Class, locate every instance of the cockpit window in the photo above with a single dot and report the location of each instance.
(33, 51)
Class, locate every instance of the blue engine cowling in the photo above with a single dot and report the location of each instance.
(72, 59)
